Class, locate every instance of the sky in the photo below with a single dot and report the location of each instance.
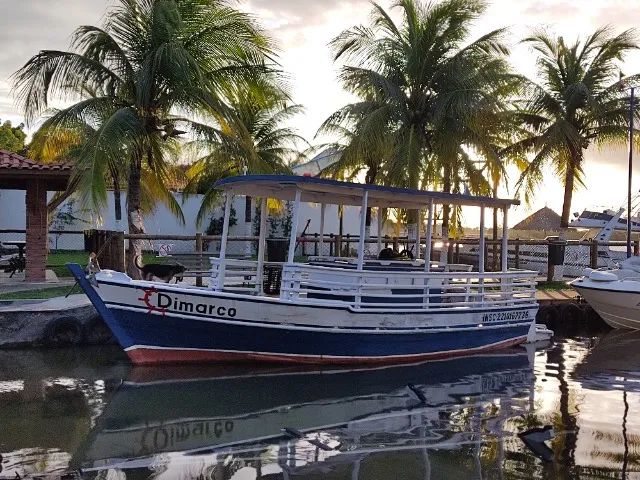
(303, 29)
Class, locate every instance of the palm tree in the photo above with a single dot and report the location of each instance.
(151, 61)
(424, 84)
(581, 100)
(246, 137)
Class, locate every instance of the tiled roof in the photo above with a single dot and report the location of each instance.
(15, 162)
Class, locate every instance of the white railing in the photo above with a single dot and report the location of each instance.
(418, 263)
(407, 289)
(242, 276)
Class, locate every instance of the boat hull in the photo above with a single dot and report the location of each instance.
(617, 306)
(169, 324)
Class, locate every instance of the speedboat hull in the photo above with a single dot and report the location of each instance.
(160, 323)
(616, 302)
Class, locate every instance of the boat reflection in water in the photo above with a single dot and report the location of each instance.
(451, 417)
(608, 424)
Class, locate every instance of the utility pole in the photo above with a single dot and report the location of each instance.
(631, 107)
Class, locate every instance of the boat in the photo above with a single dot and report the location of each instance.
(613, 293)
(187, 415)
(327, 311)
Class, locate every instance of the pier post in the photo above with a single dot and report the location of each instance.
(517, 253)
(593, 257)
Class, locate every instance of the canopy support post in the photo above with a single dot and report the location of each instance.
(481, 242)
(379, 226)
(417, 252)
(428, 241)
(505, 241)
(323, 207)
(294, 227)
(228, 199)
(363, 226)
(261, 246)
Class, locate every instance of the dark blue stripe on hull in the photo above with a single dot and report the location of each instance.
(181, 333)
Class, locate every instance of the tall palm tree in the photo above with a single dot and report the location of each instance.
(581, 100)
(424, 83)
(154, 64)
(248, 136)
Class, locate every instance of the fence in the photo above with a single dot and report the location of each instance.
(522, 254)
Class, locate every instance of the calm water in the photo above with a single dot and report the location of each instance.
(64, 410)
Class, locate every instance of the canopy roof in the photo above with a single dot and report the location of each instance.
(16, 172)
(324, 190)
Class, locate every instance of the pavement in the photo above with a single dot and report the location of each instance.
(17, 282)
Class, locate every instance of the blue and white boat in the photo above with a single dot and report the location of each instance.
(328, 310)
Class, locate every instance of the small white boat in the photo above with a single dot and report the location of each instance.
(613, 293)
(328, 310)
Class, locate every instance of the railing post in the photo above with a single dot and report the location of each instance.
(331, 245)
(395, 244)
(348, 244)
(338, 247)
(199, 252)
(517, 253)
(315, 244)
(593, 257)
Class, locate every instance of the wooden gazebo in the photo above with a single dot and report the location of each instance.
(20, 173)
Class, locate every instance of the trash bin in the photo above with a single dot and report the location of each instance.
(556, 250)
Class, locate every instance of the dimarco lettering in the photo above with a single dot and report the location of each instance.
(177, 305)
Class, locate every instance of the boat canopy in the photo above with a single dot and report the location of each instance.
(324, 190)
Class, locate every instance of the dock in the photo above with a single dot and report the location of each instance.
(555, 297)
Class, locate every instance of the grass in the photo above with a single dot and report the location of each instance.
(553, 286)
(42, 293)
(56, 260)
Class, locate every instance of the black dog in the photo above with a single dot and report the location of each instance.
(163, 271)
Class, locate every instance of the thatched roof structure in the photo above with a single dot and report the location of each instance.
(543, 219)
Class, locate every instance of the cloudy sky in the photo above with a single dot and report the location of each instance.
(303, 29)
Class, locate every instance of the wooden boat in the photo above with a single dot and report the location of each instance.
(326, 312)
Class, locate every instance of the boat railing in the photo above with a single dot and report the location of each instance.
(381, 290)
(241, 276)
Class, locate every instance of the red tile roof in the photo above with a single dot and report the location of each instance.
(15, 162)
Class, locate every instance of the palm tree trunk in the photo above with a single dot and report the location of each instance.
(568, 193)
(134, 215)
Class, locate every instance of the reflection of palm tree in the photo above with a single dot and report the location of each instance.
(564, 444)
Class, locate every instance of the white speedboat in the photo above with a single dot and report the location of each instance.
(366, 311)
(613, 293)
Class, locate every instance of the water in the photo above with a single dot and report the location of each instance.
(63, 410)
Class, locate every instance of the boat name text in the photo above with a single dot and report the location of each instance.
(168, 303)
(503, 316)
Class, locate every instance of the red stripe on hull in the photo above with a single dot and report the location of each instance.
(147, 356)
